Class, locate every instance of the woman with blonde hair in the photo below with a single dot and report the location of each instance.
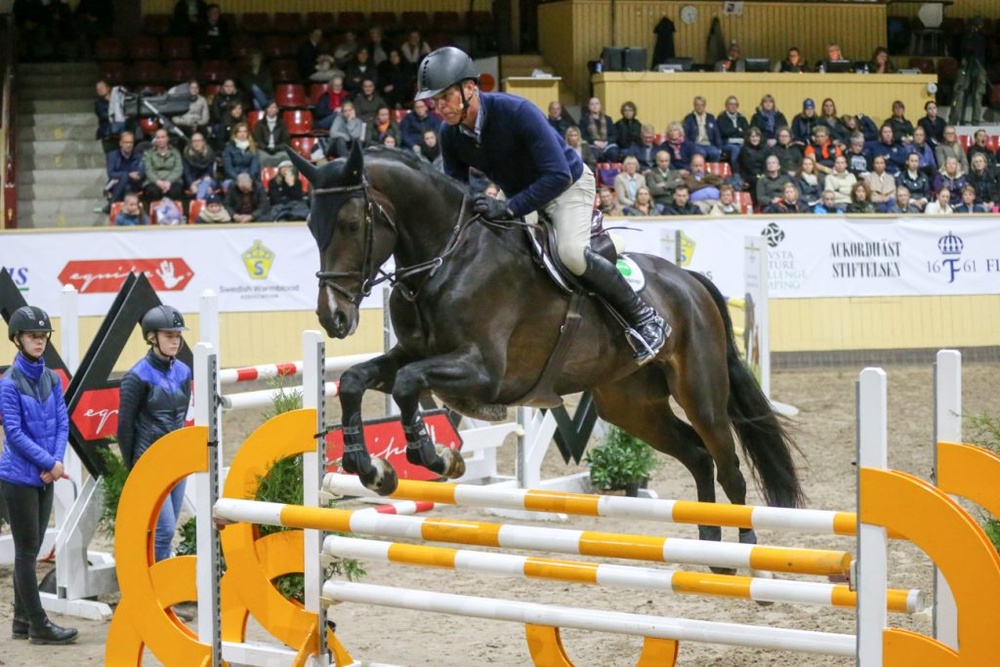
(643, 205)
(240, 155)
(628, 182)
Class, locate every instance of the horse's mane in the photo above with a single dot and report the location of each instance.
(412, 160)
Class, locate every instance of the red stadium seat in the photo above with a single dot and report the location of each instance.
(154, 205)
(299, 121)
(419, 20)
(719, 169)
(214, 71)
(179, 71)
(110, 48)
(290, 95)
(266, 174)
(288, 23)
(745, 202)
(303, 146)
(278, 46)
(253, 118)
(965, 140)
(177, 48)
(606, 173)
(354, 21)
(256, 23)
(113, 72)
(315, 90)
(240, 45)
(116, 208)
(284, 70)
(210, 91)
(156, 24)
(322, 20)
(195, 208)
(147, 72)
(149, 125)
(399, 114)
(144, 48)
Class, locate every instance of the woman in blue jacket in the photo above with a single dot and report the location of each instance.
(36, 427)
(153, 401)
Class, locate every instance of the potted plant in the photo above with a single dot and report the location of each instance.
(622, 462)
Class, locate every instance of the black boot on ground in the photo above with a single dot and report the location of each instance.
(18, 629)
(47, 632)
(648, 331)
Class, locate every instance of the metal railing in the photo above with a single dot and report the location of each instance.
(8, 175)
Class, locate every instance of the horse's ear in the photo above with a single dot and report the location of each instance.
(305, 167)
(355, 164)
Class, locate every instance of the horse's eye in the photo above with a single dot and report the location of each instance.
(351, 227)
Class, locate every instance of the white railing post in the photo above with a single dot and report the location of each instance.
(313, 469)
(947, 428)
(208, 569)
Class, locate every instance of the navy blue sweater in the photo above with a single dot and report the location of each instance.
(517, 149)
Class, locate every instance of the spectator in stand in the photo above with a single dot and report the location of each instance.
(309, 52)
(733, 62)
(196, 118)
(941, 205)
(329, 103)
(840, 181)
(381, 127)
(727, 202)
(787, 203)
(131, 213)
(395, 80)
(188, 16)
(809, 182)
(850, 124)
(916, 182)
(770, 184)
(346, 129)
(212, 39)
(902, 205)
(164, 169)
(643, 205)
(234, 116)
(240, 156)
(416, 122)
(645, 151)
(923, 150)
(984, 180)
(859, 158)
(887, 147)
(257, 80)
(559, 118)
(880, 64)
(430, 150)
(628, 181)
(288, 202)
(214, 212)
(227, 95)
(628, 128)
(326, 69)
(359, 70)
(345, 51)
(793, 62)
(822, 150)
(902, 129)
(414, 48)
(833, 55)
(662, 180)
(751, 161)
(703, 186)
(733, 128)
(271, 135)
(378, 46)
(681, 204)
(390, 141)
(881, 185)
(586, 153)
(969, 204)
(367, 101)
(951, 177)
(680, 147)
(106, 129)
(599, 132)
(933, 124)
(829, 119)
(126, 171)
(247, 201)
(828, 204)
(199, 167)
(608, 203)
(768, 119)
(703, 130)
(788, 152)
(980, 146)
(949, 146)
(861, 201)
(803, 124)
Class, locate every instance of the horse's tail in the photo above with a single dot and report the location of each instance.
(765, 441)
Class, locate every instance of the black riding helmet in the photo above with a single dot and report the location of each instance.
(162, 318)
(28, 319)
(443, 68)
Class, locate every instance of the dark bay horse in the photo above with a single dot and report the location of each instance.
(477, 320)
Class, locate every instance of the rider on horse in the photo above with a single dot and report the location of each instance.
(507, 138)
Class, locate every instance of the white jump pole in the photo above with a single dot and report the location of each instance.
(66, 491)
(947, 428)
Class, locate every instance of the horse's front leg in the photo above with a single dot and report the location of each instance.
(453, 374)
(378, 373)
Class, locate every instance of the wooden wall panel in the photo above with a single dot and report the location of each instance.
(961, 9)
(303, 6)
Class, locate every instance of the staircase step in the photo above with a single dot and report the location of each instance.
(27, 81)
(63, 146)
(48, 221)
(62, 163)
(68, 208)
(54, 106)
(59, 69)
(81, 132)
(61, 119)
(72, 91)
(95, 177)
(58, 191)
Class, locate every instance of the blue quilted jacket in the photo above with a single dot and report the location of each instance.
(153, 401)
(35, 422)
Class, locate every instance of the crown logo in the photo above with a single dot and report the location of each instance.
(258, 259)
(687, 249)
(949, 244)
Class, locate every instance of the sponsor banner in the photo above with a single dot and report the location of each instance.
(255, 268)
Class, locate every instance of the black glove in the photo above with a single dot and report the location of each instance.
(490, 208)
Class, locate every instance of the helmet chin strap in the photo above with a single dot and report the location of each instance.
(465, 104)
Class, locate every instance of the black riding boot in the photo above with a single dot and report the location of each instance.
(648, 331)
(44, 631)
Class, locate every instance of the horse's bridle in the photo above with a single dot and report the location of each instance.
(329, 278)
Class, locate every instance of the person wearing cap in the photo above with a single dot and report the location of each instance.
(733, 62)
(214, 212)
(36, 429)
(509, 139)
(803, 123)
(152, 402)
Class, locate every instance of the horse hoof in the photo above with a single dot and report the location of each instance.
(383, 479)
(728, 571)
(454, 464)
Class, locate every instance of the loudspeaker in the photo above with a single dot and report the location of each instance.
(623, 59)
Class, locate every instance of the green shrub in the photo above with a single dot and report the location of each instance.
(984, 430)
(622, 460)
(112, 482)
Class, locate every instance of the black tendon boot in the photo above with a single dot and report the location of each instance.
(648, 331)
(44, 631)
